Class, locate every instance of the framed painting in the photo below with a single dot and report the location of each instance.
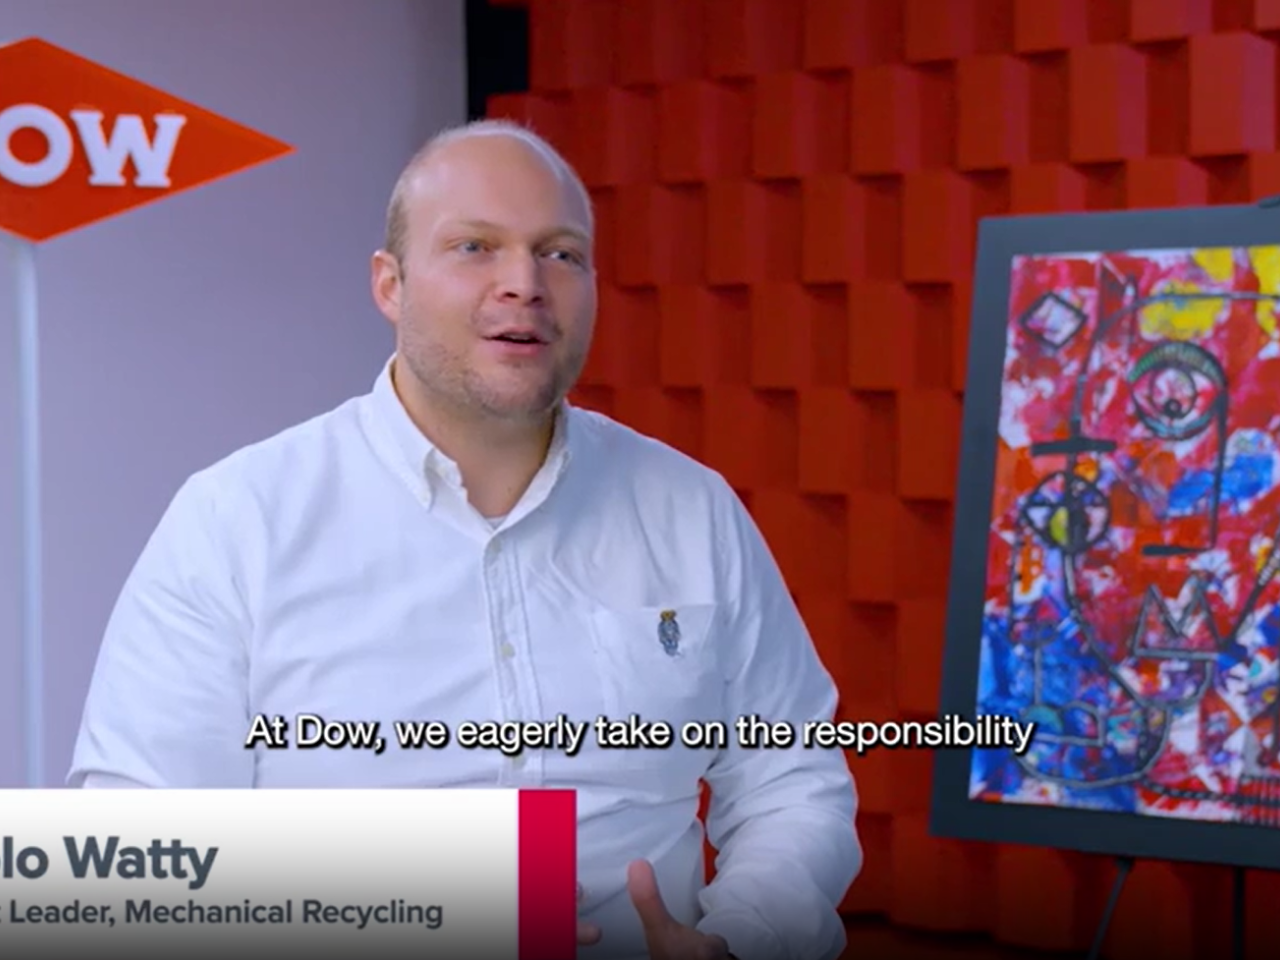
(1115, 566)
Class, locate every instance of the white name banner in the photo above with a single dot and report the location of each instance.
(344, 873)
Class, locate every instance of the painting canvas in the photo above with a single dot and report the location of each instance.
(1131, 609)
(1117, 561)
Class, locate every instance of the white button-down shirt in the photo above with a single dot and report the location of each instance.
(338, 569)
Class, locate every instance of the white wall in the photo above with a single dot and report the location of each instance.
(175, 333)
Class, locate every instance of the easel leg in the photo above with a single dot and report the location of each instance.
(1124, 865)
(1238, 880)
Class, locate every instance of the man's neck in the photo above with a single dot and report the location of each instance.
(498, 458)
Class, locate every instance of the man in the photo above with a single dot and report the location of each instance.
(463, 544)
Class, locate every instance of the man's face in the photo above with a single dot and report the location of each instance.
(496, 301)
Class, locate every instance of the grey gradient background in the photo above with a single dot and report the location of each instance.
(396, 845)
(177, 332)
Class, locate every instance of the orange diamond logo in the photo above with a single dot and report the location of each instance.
(80, 143)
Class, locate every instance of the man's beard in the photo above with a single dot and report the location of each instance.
(503, 394)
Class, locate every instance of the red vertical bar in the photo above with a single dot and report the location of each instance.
(547, 869)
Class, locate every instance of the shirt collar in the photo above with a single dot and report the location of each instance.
(426, 461)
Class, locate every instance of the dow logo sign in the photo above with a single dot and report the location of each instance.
(80, 142)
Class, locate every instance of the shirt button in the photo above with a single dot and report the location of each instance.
(495, 547)
(508, 651)
(518, 762)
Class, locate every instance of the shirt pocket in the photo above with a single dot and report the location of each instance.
(659, 662)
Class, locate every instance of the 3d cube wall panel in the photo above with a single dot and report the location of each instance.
(797, 335)
(1152, 20)
(754, 231)
(887, 102)
(872, 534)
(902, 117)
(928, 433)
(702, 339)
(870, 651)
(662, 235)
(839, 34)
(704, 131)
(751, 435)
(1158, 890)
(658, 43)
(1107, 113)
(1045, 25)
(550, 115)
(626, 351)
(938, 884)
(674, 415)
(571, 44)
(1266, 15)
(747, 38)
(1048, 188)
(874, 889)
(961, 305)
(1165, 182)
(798, 125)
(614, 135)
(882, 335)
(1262, 176)
(938, 212)
(918, 663)
(950, 29)
(787, 195)
(605, 204)
(1233, 94)
(941, 314)
(1048, 92)
(834, 229)
(833, 436)
(994, 112)
(1046, 899)
(829, 618)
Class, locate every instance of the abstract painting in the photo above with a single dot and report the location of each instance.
(1132, 603)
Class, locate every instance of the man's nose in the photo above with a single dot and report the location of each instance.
(520, 277)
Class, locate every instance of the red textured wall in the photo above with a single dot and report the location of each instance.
(787, 193)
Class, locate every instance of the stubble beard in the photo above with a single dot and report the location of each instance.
(506, 392)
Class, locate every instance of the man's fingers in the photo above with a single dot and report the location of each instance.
(643, 887)
(588, 933)
(713, 948)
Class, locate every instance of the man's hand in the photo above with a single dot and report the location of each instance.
(588, 933)
(668, 938)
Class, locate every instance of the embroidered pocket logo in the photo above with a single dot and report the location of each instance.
(669, 633)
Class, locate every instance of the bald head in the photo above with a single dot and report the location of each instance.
(488, 278)
(495, 151)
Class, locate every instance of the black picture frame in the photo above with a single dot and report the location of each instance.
(953, 814)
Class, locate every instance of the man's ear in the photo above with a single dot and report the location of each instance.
(386, 282)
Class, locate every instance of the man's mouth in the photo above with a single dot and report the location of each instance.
(518, 336)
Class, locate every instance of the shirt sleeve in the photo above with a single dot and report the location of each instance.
(168, 701)
(782, 820)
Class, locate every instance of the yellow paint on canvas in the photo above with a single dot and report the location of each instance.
(1266, 265)
(1059, 526)
(1180, 319)
(1262, 548)
(1218, 263)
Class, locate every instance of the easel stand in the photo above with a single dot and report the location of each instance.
(1124, 866)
